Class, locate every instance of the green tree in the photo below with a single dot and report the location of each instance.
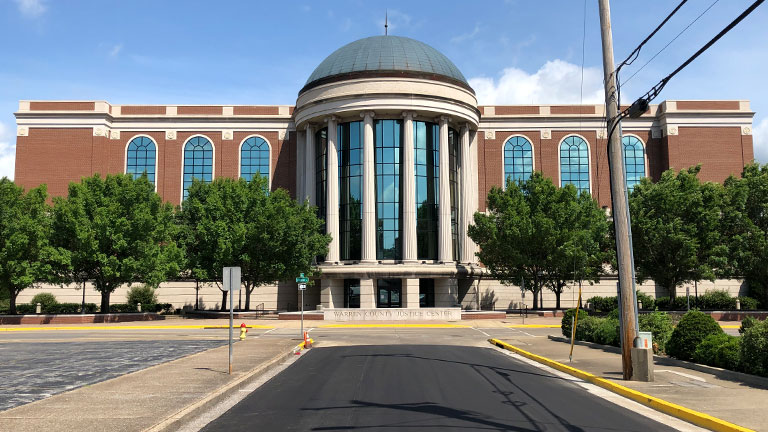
(745, 228)
(676, 229)
(237, 223)
(542, 234)
(26, 255)
(118, 231)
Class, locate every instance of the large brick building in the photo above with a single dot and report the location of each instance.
(367, 142)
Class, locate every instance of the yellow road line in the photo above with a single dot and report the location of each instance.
(681, 412)
(394, 326)
(534, 326)
(147, 327)
(730, 326)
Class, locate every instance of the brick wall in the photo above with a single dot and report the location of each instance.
(720, 151)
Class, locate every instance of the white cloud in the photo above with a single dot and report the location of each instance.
(760, 141)
(31, 8)
(466, 36)
(556, 82)
(115, 50)
(7, 153)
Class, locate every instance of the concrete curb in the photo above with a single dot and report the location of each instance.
(725, 374)
(683, 413)
(180, 418)
(130, 327)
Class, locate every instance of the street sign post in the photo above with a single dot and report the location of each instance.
(302, 281)
(231, 283)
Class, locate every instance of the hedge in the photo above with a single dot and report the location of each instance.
(693, 328)
(719, 350)
(565, 324)
(754, 349)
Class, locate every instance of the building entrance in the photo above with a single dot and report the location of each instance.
(389, 293)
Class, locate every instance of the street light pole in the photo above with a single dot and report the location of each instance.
(618, 193)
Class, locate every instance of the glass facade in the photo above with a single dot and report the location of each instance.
(254, 158)
(426, 143)
(198, 162)
(350, 150)
(388, 293)
(388, 153)
(140, 158)
(574, 163)
(426, 293)
(352, 293)
(453, 177)
(518, 159)
(321, 165)
(634, 160)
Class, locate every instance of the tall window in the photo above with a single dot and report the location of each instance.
(254, 158)
(321, 165)
(387, 139)
(140, 158)
(426, 144)
(453, 177)
(350, 148)
(198, 162)
(574, 163)
(518, 159)
(634, 160)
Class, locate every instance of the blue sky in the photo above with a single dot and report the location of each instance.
(248, 52)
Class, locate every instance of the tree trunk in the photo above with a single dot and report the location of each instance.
(557, 299)
(223, 301)
(105, 301)
(248, 292)
(12, 302)
(536, 298)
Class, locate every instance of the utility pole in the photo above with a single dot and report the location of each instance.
(618, 194)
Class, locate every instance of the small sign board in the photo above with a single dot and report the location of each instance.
(302, 286)
(301, 279)
(231, 279)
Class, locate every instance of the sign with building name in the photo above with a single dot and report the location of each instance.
(420, 314)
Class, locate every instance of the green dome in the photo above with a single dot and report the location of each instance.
(386, 56)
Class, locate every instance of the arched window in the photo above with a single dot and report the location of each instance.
(141, 155)
(634, 160)
(254, 158)
(518, 159)
(574, 163)
(198, 162)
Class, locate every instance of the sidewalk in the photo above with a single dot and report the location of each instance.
(140, 400)
(737, 402)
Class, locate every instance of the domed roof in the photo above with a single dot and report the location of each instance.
(386, 56)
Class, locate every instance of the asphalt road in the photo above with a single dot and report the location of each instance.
(32, 371)
(422, 387)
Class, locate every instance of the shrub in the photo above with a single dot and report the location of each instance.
(692, 329)
(46, 300)
(660, 325)
(603, 304)
(25, 309)
(719, 350)
(122, 308)
(141, 294)
(607, 332)
(647, 301)
(72, 308)
(5, 304)
(677, 303)
(747, 323)
(586, 327)
(565, 324)
(748, 303)
(754, 349)
(716, 300)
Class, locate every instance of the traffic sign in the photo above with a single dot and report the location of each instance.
(301, 279)
(231, 279)
(302, 286)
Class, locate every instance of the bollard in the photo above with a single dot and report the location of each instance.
(640, 304)
(738, 304)
(38, 308)
(138, 307)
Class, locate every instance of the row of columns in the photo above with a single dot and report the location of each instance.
(468, 190)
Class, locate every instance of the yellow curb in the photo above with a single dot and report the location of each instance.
(149, 327)
(681, 412)
(534, 326)
(730, 326)
(394, 326)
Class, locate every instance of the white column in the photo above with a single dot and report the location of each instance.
(332, 293)
(444, 244)
(300, 163)
(368, 250)
(367, 294)
(309, 164)
(410, 294)
(409, 192)
(467, 210)
(332, 190)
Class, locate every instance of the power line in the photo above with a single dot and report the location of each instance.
(670, 42)
(636, 52)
